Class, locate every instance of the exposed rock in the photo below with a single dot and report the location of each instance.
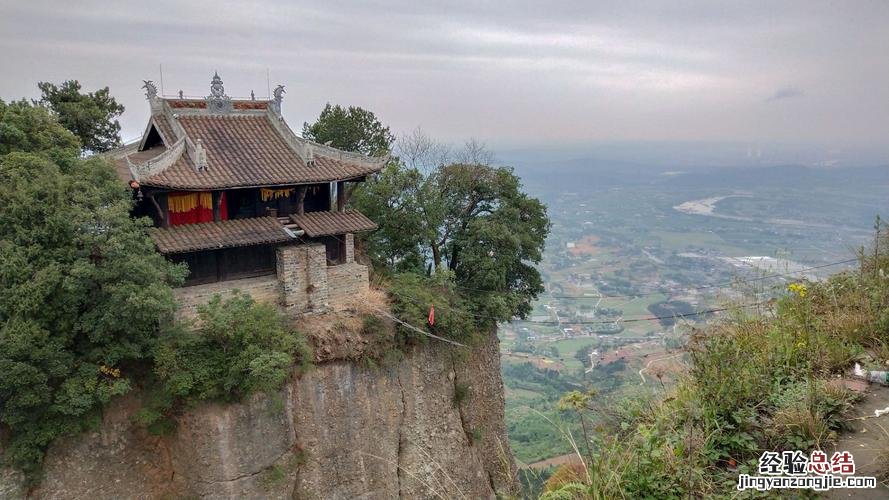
(345, 429)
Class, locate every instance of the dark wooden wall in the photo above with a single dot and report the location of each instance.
(211, 266)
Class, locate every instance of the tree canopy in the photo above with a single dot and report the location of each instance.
(91, 116)
(82, 290)
(448, 211)
(351, 129)
(470, 220)
(30, 129)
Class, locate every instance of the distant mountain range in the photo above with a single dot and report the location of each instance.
(574, 173)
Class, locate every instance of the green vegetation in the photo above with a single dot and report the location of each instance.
(350, 129)
(86, 305)
(89, 116)
(532, 394)
(236, 348)
(82, 290)
(696, 439)
(455, 232)
(462, 391)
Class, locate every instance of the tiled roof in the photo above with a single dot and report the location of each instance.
(329, 223)
(222, 234)
(165, 129)
(245, 150)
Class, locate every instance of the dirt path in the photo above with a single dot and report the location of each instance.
(648, 365)
(868, 438)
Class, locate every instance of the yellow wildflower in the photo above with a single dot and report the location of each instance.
(797, 288)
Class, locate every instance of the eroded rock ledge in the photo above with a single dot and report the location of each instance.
(348, 428)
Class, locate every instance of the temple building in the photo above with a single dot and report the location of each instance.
(245, 202)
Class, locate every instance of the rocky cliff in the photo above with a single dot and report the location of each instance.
(348, 428)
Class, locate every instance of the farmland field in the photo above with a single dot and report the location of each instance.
(624, 247)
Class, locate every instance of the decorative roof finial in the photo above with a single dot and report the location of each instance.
(252, 95)
(217, 101)
(216, 88)
(278, 94)
(150, 89)
(181, 95)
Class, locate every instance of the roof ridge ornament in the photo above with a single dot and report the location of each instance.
(150, 89)
(200, 156)
(278, 95)
(309, 154)
(217, 101)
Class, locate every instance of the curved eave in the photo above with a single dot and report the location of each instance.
(215, 187)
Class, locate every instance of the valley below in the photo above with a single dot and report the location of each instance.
(636, 259)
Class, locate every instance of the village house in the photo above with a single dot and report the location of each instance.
(246, 203)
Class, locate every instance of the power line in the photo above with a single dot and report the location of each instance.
(414, 328)
(601, 322)
(648, 318)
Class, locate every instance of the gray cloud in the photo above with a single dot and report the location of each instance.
(513, 74)
(785, 93)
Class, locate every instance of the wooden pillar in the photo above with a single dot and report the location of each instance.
(217, 205)
(162, 215)
(340, 196)
(300, 200)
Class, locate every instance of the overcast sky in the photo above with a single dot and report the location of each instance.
(518, 74)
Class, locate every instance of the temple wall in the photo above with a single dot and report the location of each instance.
(345, 281)
(292, 277)
(261, 288)
(303, 282)
(350, 248)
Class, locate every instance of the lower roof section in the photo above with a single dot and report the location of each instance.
(329, 223)
(221, 234)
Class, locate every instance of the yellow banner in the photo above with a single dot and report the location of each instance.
(186, 202)
(274, 194)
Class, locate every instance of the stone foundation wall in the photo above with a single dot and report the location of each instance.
(345, 281)
(303, 282)
(261, 288)
(350, 248)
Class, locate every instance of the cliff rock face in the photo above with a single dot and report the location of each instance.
(345, 429)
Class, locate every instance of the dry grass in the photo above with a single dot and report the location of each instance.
(346, 316)
(342, 332)
(369, 301)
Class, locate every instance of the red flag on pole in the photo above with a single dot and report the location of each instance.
(431, 314)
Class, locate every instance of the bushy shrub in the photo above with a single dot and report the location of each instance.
(412, 297)
(82, 289)
(235, 348)
(758, 381)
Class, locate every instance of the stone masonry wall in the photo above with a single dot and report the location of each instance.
(302, 272)
(303, 282)
(291, 268)
(345, 281)
(261, 288)
(318, 282)
(350, 248)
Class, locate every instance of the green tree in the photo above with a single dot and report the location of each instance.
(30, 129)
(395, 197)
(470, 220)
(90, 116)
(464, 218)
(82, 289)
(236, 348)
(350, 129)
